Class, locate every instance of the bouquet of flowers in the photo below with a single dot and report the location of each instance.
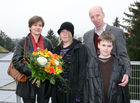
(45, 65)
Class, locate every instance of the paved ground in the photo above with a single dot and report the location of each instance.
(7, 94)
(7, 97)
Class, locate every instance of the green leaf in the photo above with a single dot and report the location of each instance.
(30, 66)
(52, 81)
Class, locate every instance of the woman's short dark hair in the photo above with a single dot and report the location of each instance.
(35, 19)
(107, 37)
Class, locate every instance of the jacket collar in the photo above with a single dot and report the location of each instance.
(29, 42)
(90, 43)
(108, 28)
(75, 45)
(99, 32)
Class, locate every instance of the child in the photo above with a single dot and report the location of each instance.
(105, 76)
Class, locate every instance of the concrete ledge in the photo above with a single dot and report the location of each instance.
(9, 87)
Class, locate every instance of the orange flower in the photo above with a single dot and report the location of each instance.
(54, 56)
(40, 50)
(50, 53)
(60, 67)
(48, 65)
(45, 51)
(34, 53)
(52, 61)
(52, 70)
(47, 70)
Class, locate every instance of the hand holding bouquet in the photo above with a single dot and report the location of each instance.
(45, 65)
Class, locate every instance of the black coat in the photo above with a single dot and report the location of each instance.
(26, 89)
(94, 89)
(75, 63)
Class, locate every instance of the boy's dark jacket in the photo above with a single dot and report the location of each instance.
(75, 61)
(94, 90)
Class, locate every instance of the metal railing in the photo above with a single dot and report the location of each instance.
(8, 87)
(134, 84)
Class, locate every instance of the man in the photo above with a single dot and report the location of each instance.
(97, 15)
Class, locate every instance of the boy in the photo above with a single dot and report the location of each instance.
(105, 75)
(111, 70)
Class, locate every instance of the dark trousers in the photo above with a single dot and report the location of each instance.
(39, 96)
(60, 97)
(32, 100)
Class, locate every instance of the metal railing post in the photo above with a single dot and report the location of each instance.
(18, 98)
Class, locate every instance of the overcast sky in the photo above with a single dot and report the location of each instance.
(14, 14)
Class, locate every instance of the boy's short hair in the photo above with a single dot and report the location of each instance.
(107, 37)
(35, 19)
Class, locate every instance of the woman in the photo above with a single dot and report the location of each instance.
(27, 90)
(75, 57)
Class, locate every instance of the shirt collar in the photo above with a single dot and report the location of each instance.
(99, 32)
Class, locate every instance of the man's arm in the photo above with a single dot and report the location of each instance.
(121, 51)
